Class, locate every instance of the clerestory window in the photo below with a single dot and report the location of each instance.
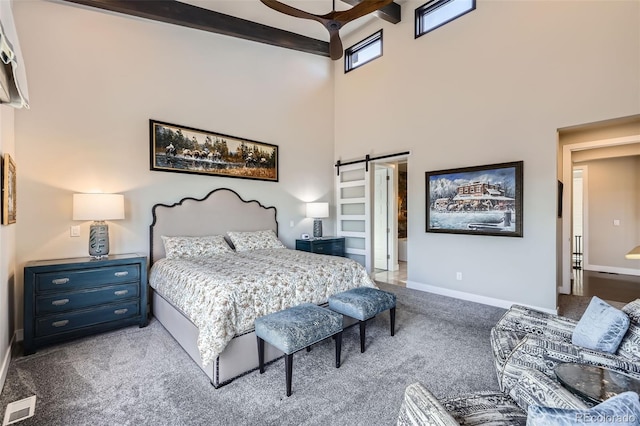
(436, 13)
(362, 52)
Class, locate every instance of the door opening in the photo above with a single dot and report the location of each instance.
(389, 201)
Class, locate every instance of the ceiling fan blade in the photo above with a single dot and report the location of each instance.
(292, 11)
(335, 45)
(364, 8)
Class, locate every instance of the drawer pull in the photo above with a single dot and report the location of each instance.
(60, 302)
(60, 323)
(121, 292)
(60, 281)
(122, 274)
(120, 311)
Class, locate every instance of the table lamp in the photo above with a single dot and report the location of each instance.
(317, 211)
(98, 207)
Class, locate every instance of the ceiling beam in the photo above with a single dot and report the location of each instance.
(390, 13)
(186, 15)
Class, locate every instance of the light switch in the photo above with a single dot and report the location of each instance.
(75, 231)
(616, 222)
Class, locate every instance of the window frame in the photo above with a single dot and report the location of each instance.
(429, 7)
(362, 44)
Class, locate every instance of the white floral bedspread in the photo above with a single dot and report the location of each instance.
(223, 294)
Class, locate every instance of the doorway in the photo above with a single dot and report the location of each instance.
(577, 257)
(389, 202)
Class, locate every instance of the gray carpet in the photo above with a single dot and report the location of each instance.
(142, 376)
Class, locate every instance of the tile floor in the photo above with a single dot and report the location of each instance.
(398, 277)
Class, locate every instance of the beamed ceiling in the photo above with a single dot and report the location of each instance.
(248, 20)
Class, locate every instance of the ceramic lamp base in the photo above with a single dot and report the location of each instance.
(99, 240)
(317, 228)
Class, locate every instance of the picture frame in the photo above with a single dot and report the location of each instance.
(9, 190)
(479, 200)
(182, 149)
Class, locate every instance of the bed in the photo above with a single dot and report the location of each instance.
(208, 302)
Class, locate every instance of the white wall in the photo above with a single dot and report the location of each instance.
(95, 79)
(492, 86)
(7, 256)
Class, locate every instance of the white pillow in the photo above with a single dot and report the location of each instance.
(193, 247)
(245, 241)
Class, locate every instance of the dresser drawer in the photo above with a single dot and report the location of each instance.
(73, 320)
(92, 277)
(328, 248)
(68, 301)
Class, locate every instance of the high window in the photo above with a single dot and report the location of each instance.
(436, 13)
(362, 52)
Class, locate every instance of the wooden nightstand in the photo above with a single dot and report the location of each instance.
(324, 245)
(69, 298)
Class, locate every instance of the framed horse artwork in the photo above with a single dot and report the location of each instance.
(181, 149)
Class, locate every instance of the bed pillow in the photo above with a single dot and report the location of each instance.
(192, 247)
(601, 327)
(245, 241)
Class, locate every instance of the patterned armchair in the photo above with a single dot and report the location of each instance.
(525, 338)
(533, 388)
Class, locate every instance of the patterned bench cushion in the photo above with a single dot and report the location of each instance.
(298, 327)
(362, 303)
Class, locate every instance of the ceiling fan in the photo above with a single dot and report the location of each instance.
(333, 20)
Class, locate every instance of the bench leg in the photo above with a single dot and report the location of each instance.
(288, 365)
(363, 327)
(338, 338)
(392, 314)
(261, 355)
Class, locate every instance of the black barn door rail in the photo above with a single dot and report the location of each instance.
(367, 159)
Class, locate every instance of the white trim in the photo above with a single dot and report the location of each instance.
(567, 179)
(585, 215)
(611, 269)
(351, 184)
(500, 303)
(360, 252)
(6, 360)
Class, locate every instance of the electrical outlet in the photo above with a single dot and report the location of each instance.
(616, 222)
(291, 224)
(459, 276)
(75, 231)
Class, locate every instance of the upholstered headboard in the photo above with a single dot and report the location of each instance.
(220, 211)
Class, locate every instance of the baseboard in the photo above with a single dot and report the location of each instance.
(6, 360)
(500, 303)
(612, 270)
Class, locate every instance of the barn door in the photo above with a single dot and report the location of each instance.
(353, 204)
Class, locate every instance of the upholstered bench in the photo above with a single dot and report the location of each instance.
(295, 328)
(363, 303)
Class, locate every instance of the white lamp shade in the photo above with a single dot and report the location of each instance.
(317, 210)
(98, 206)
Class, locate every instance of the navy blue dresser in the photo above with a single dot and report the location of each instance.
(70, 298)
(323, 245)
